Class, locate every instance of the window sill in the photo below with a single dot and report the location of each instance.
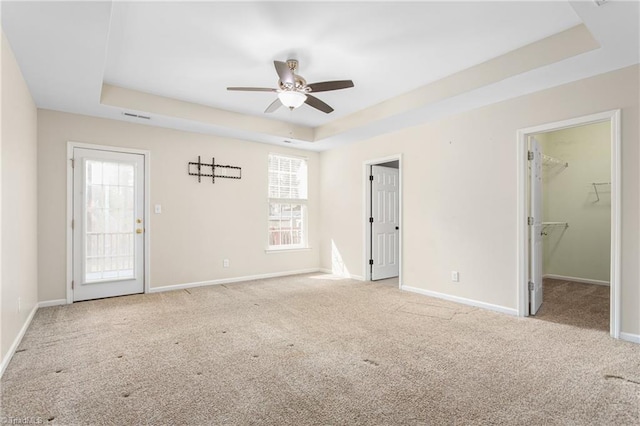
(286, 250)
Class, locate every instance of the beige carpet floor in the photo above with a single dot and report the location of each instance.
(578, 304)
(312, 350)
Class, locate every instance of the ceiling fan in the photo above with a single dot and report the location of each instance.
(293, 90)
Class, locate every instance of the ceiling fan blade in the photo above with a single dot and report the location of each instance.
(252, 89)
(274, 105)
(285, 74)
(326, 86)
(318, 104)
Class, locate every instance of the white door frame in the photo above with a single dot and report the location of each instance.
(522, 248)
(147, 174)
(366, 203)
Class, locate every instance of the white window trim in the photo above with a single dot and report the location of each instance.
(305, 212)
(287, 250)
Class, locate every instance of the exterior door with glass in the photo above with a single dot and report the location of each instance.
(108, 223)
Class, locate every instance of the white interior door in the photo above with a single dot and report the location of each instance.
(108, 228)
(535, 229)
(384, 228)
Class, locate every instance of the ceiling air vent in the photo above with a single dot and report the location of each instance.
(130, 114)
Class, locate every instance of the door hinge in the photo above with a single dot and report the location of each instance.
(73, 223)
(530, 220)
(370, 261)
(72, 285)
(529, 155)
(530, 285)
(370, 177)
(370, 220)
(73, 163)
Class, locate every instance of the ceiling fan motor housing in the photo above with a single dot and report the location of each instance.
(300, 84)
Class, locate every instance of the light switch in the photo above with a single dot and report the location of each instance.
(157, 209)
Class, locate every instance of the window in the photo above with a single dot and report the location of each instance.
(287, 202)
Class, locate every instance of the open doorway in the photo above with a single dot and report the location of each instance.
(575, 226)
(569, 238)
(383, 212)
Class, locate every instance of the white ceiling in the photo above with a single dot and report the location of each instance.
(191, 51)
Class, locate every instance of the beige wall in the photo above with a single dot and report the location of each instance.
(201, 223)
(19, 201)
(460, 192)
(583, 250)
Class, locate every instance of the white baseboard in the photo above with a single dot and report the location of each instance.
(230, 280)
(16, 342)
(462, 300)
(56, 302)
(633, 338)
(576, 279)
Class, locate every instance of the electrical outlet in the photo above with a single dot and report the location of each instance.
(455, 276)
(157, 209)
(225, 263)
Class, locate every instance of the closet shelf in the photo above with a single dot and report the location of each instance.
(549, 160)
(546, 225)
(555, 224)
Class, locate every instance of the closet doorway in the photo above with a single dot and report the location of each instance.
(383, 208)
(569, 247)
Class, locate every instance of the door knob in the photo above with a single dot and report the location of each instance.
(397, 227)
(139, 231)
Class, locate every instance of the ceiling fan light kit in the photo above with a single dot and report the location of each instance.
(292, 99)
(293, 90)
